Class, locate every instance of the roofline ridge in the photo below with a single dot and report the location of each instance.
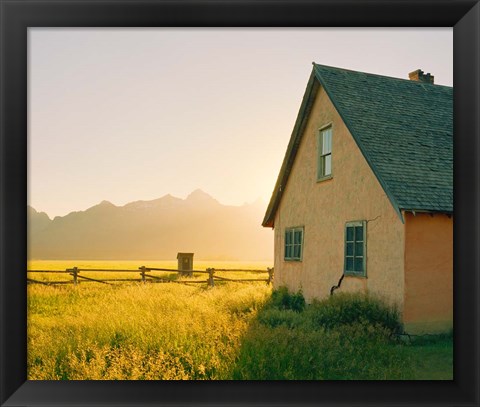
(382, 76)
(316, 80)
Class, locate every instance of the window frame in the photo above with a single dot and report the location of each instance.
(320, 153)
(354, 273)
(293, 230)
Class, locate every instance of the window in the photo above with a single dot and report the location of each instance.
(324, 169)
(355, 248)
(293, 243)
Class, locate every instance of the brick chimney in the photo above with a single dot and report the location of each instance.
(420, 76)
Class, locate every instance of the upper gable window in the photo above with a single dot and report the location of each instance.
(324, 167)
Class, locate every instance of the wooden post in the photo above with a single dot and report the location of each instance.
(211, 282)
(75, 273)
(142, 273)
(270, 275)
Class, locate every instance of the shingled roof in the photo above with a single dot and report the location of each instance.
(404, 129)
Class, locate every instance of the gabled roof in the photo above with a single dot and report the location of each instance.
(403, 128)
(184, 254)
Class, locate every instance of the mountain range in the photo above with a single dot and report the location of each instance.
(153, 230)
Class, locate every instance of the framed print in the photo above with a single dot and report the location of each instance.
(113, 112)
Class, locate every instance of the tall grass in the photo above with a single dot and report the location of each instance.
(135, 331)
(240, 331)
(343, 337)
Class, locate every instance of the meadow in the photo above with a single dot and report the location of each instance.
(138, 331)
(239, 331)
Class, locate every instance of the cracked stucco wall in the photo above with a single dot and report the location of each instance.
(322, 208)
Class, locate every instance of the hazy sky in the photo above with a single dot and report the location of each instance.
(134, 114)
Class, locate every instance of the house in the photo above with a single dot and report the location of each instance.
(364, 197)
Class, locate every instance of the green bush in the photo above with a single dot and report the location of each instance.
(289, 310)
(274, 317)
(347, 336)
(344, 309)
(358, 351)
(285, 300)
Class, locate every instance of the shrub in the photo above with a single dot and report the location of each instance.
(344, 309)
(274, 317)
(285, 300)
(358, 351)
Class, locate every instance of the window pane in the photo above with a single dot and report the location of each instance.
(328, 164)
(298, 236)
(296, 252)
(287, 252)
(350, 234)
(349, 249)
(287, 237)
(321, 165)
(349, 264)
(358, 249)
(358, 263)
(359, 233)
(327, 141)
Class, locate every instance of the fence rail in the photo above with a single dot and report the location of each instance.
(78, 275)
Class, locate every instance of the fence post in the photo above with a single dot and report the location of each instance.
(270, 275)
(142, 273)
(75, 273)
(211, 282)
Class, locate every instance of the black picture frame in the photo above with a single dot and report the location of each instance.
(18, 15)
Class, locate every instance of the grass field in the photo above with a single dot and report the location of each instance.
(171, 331)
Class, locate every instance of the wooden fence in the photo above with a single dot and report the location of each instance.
(78, 275)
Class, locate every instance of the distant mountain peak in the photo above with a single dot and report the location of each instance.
(152, 230)
(168, 198)
(33, 212)
(165, 200)
(200, 196)
(105, 203)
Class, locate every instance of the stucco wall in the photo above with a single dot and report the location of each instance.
(428, 273)
(322, 208)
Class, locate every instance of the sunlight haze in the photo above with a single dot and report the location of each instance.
(134, 114)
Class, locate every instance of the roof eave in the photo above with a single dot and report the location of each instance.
(269, 219)
(431, 211)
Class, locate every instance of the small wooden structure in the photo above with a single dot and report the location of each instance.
(185, 263)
